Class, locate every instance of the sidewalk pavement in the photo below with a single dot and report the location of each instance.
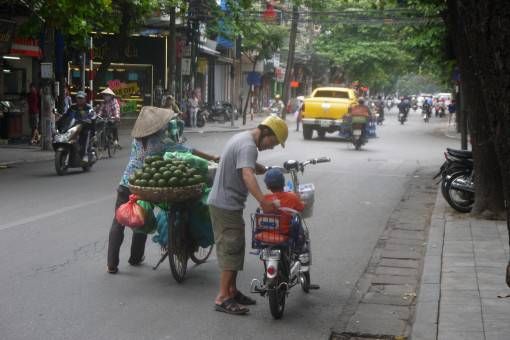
(463, 294)
(22, 153)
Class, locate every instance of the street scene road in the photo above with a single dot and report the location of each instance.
(54, 233)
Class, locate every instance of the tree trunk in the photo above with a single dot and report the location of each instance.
(488, 185)
(290, 59)
(172, 57)
(485, 30)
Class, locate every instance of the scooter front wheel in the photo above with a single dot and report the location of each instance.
(61, 162)
(304, 280)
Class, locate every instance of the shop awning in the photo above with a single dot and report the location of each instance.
(208, 50)
(26, 47)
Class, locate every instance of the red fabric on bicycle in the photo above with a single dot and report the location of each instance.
(271, 237)
(130, 214)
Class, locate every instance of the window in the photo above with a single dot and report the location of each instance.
(332, 94)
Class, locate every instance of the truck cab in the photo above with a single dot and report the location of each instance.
(325, 109)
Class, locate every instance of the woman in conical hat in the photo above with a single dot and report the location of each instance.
(150, 137)
(110, 110)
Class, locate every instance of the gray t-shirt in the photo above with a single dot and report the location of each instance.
(229, 191)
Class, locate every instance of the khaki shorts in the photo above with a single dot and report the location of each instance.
(228, 227)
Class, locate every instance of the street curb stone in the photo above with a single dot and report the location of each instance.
(425, 326)
(382, 303)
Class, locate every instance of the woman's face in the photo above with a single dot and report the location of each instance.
(107, 97)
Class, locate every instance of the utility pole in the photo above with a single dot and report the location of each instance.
(290, 59)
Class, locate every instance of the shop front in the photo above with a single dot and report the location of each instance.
(19, 68)
(132, 75)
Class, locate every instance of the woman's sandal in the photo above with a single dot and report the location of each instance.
(230, 306)
(137, 263)
(242, 299)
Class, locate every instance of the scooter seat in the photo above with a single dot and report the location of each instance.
(460, 153)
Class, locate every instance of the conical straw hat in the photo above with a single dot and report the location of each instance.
(150, 120)
(108, 91)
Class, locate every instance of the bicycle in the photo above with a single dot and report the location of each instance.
(181, 246)
(106, 147)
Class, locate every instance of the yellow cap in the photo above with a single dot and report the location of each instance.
(279, 128)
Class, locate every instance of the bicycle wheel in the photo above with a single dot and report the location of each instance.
(110, 148)
(100, 144)
(201, 254)
(177, 250)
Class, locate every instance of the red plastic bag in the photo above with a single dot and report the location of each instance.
(130, 214)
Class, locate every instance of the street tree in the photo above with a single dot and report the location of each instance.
(480, 34)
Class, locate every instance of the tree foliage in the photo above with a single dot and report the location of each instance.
(378, 55)
(77, 19)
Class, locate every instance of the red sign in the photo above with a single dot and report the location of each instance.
(27, 47)
(294, 84)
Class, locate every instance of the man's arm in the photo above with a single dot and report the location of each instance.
(253, 188)
(205, 155)
(260, 169)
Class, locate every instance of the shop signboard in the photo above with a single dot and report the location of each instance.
(125, 91)
(280, 74)
(7, 29)
(185, 66)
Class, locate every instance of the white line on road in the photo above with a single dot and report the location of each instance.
(54, 212)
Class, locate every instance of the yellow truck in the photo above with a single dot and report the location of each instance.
(324, 110)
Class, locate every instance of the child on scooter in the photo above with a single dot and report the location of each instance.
(275, 181)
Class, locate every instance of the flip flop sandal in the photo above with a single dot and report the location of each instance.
(242, 299)
(230, 306)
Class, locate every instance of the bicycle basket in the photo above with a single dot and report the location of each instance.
(266, 230)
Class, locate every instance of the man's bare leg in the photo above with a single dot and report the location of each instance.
(227, 281)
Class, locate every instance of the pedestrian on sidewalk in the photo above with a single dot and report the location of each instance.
(235, 178)
(34, 112)
(194, 105)
(298, 113)
(150, 137)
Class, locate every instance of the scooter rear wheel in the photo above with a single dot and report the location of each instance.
(277, 294)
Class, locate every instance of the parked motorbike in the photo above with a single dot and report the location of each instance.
(67, 147)
(222, 112)
(286, 259)
(202, 116)
(457, 179)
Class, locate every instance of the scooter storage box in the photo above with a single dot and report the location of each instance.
(307, 193)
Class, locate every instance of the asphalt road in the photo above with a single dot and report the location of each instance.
(54, 230)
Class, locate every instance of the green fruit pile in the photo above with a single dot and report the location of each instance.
(157, 172)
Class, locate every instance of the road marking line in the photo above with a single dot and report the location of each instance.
(54, 212)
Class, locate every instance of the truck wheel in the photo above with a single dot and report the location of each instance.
(322, 134)
(307, 132)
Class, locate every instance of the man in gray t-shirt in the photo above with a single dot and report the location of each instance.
(235, 178)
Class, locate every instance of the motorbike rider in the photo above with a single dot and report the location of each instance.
(404, 106)
(110, 111)
(379, 104)
(84, 115)
(278, 104)
(427, 106)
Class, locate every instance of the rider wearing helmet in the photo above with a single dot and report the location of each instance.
(235, 178)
